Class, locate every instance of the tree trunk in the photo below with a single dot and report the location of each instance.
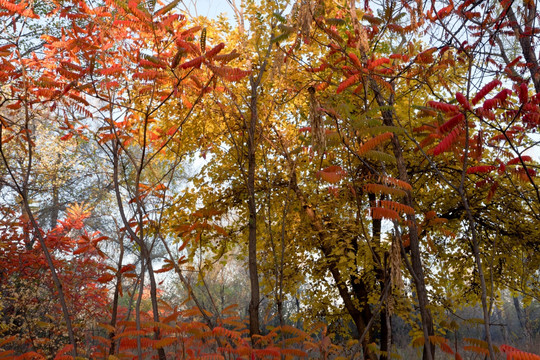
(153, 297)
(525, 41)
(254, 327)
(380, 274)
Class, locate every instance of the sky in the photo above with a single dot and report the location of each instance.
(208, 8)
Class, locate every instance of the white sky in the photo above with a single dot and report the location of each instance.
(208, 8)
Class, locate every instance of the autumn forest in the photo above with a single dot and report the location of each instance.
(291, 179)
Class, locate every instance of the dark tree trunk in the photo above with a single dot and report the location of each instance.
(254, 327)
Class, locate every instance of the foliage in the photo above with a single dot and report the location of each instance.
(368, 166)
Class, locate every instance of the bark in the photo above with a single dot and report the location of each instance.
(380, 274)
(526, 41)
(254, 327)
(138, 310)
(255, 82)
(153, 297)
(56, 279)
(55, 197)
(481, 276)
(384, 318)
(282, 260)
(504, 325)
(279, 261)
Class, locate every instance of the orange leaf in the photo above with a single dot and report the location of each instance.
(396, 182)
(372, 143)
(229, 73)
(383, 189)
(332, 174)
(163, 342)
(347, 82)
(380, 213)
(165, 268)
(81, 249)
(397, 207)
(105, 278)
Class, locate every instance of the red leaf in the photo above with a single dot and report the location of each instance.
(447, 141)
(14, 106)
(445, 108)
(425, 57)
(215, 50)
(463, 101)
(513, 62)
(480, 169)
(518, 160)
(503, 95)
(490, 104)
(445, 11)
(452, 123)
(355, 59)
(523, 93)
(165, 268)
(323, 67)
(485, 90)
(66, 137)
(128, 267)
(81, 249)
(195, 63)
(492, 191)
